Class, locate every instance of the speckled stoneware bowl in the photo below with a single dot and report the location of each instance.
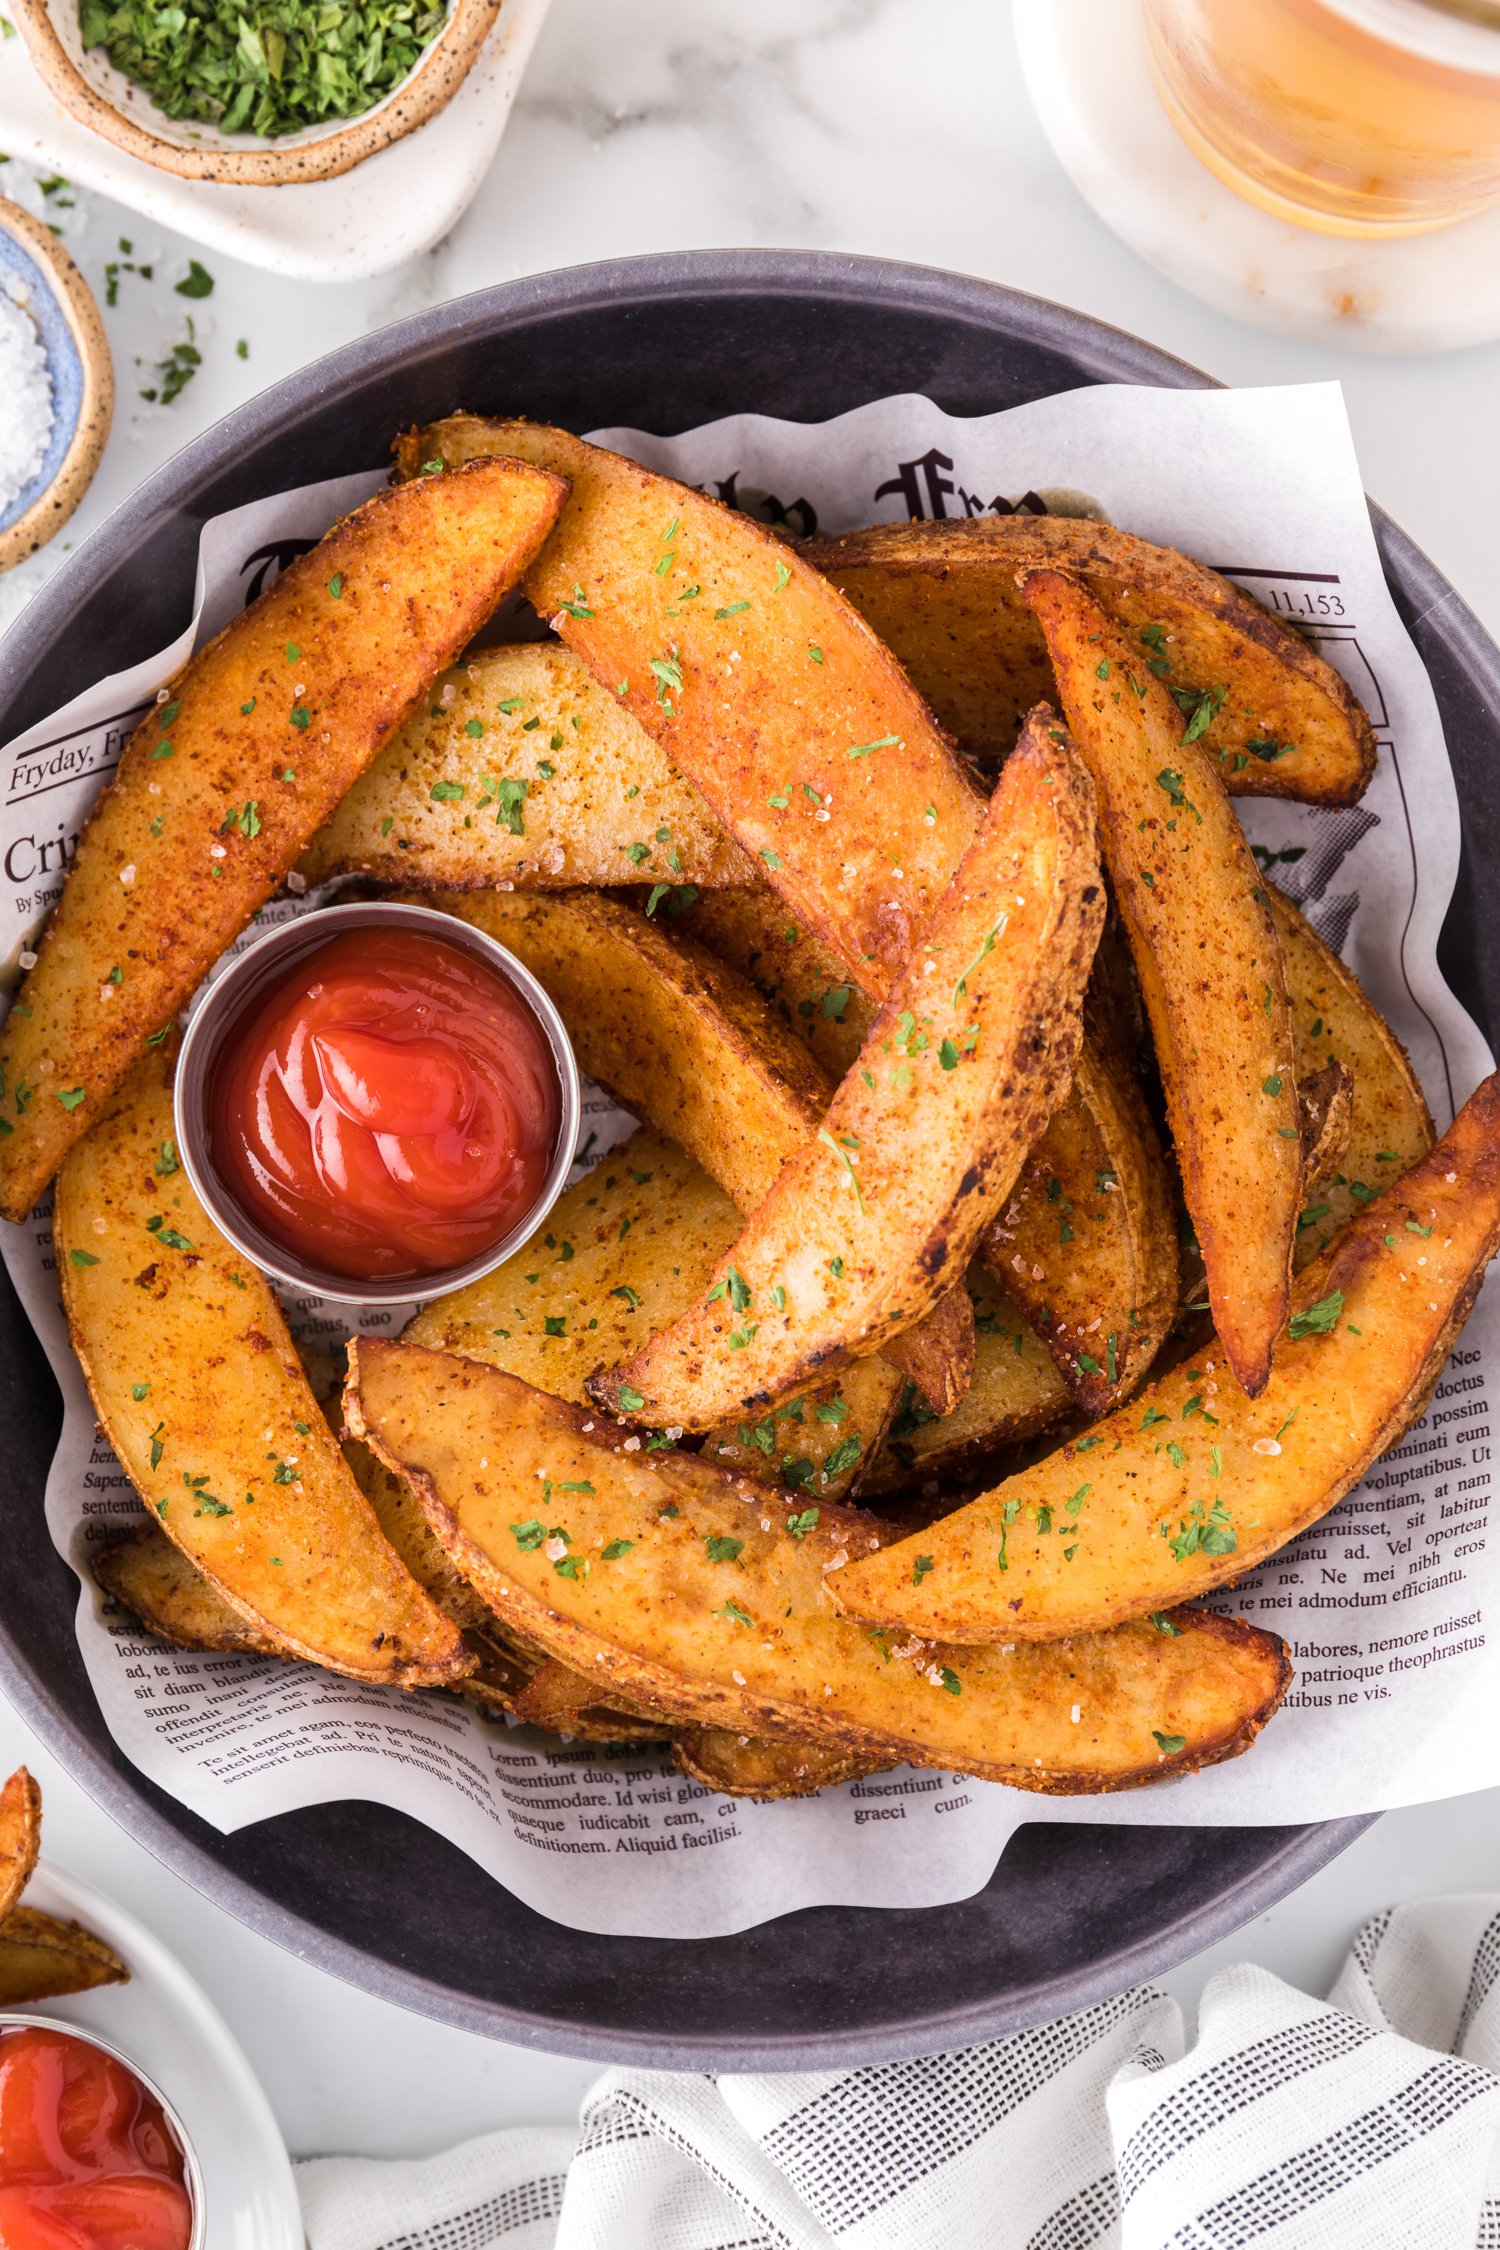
(37, 273)
(91, 90)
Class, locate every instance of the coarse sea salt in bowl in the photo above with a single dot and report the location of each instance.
(56, 382)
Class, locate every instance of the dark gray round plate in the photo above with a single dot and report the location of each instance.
(1072, 1914)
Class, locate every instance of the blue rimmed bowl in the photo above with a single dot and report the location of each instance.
(37, 273)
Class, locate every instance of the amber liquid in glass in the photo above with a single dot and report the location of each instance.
(1364, 117)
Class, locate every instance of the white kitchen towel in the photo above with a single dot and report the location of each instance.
(1369, 2121)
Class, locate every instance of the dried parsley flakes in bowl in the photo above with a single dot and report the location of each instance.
(263, 66)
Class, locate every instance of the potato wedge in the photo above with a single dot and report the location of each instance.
(924, 1138)
(1327, 1101)
(746, 1765)
(20, 1837)
(42, 1958)
(764, 688)
(170, 1597)
(1209, 963)
(519, 768)
(1016, 1393)
(1087, 1243)
(1194, 1483)
(688, 1045)
(1390, 1125)
(943, 598)
(624, 1252)
(668, 1579)
(220, 788)
(166, 1592)
(198, 1388)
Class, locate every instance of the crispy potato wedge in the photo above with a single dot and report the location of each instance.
(20, 1837)
(166, 1592)
(1085, 1539)
(198, 1388)
(1016, 1393)
(42, 1958)
(868, 1223)
(764, 688)
(625, 1251)
(1087, 1243)
(1209, 963)
(220, 788)
(170, 1597)
(745, 1765)
(943, 598)
(690, 1046)
(696, 1591)
(519, 768)
(1390, 1125)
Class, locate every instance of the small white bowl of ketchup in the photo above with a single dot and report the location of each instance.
(92, 2155)
(376, 1102)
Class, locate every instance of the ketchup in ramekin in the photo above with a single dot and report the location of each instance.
(382, 1100)
(89, 2157)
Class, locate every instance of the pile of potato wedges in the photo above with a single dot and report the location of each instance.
(1031, 1224)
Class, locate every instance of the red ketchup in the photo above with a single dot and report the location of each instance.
(387, 1109)
(87, 2158)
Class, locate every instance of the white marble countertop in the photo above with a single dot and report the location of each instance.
(893, 127)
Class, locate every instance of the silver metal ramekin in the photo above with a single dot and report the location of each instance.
(221, 1005)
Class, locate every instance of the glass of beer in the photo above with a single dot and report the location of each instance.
(1362, 117)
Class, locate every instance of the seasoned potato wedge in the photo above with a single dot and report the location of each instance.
(925, 1136)
(1209, 963)
(764, 688)
(1194, 1483)
(198, 1388)
(169, 1595)
(749, 1641)
(20, 1836)
(624, 1252)
(1390, 1125)
(166, 1592)
(1016, 1393)
(746, 1765)
(520, 768)
(42, 1958)
(943, 598)
(1087, 1243)
(222, 786)
(690, 1046)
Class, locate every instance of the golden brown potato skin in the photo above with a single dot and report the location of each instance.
(1087, 1243)
(601, 805)
(1081, 1532)
(173, 1311)
(968, 1057)
(1208, 960)
(687, 1044)
(943, 597)
(42, 1958)
(705, 1595)
(220, 788)
(1390, 1125)
(746, 1765)
(20, 1836)
(765, 689)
